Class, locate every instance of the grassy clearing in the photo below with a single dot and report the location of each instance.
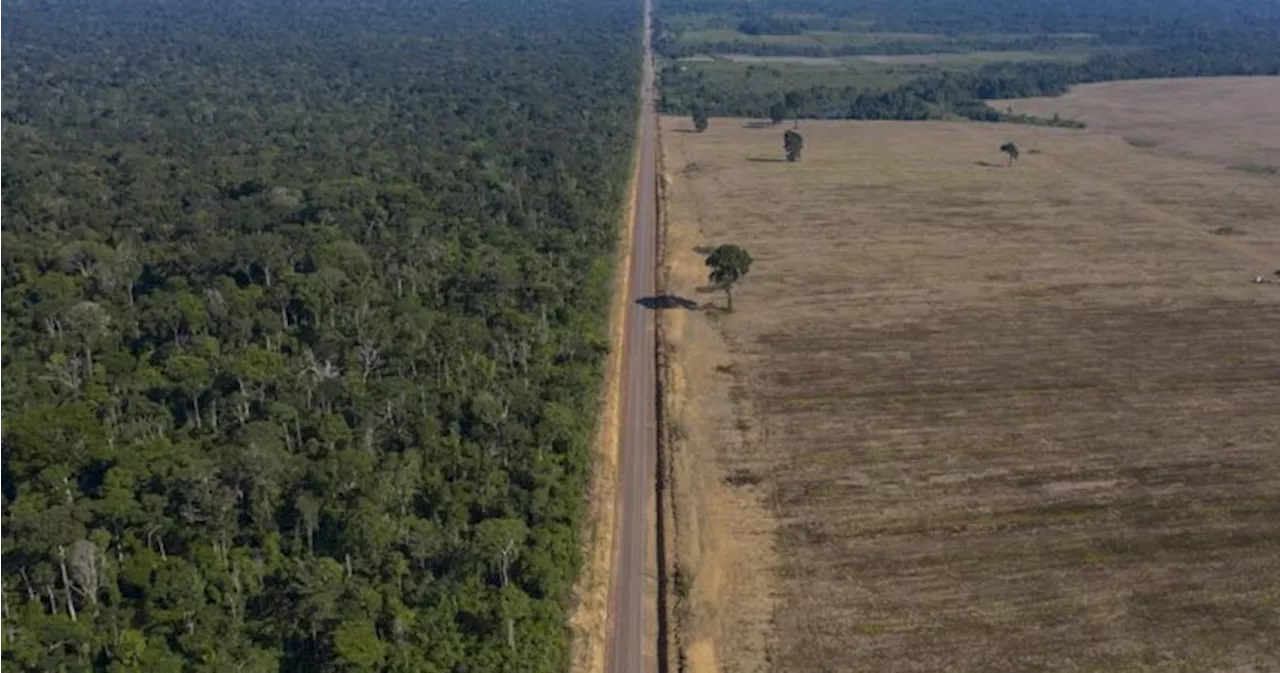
(972, 59)
(1004, 419)
(788, 74)
(809, 38)
(778, 74)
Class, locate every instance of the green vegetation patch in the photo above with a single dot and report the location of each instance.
(934, 59)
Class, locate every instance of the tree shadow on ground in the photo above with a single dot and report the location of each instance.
(759, 125)
(704, 249)
(988, 164)
(710, 308)
(684, 131)
(767, 160)
(667, 301)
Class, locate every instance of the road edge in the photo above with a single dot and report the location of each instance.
(670, 650)
(589, 621)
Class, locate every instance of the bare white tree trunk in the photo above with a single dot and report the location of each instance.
(66, 583)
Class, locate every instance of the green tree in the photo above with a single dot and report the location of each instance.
(793, 144)
(777, 112)
(1011, 150)
(794, 101)
(729, 263)
(700, 118)
(357, 647)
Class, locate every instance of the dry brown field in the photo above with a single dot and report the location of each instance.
(1227, 120)
(970, 417)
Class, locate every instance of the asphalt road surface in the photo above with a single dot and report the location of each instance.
(627, 642)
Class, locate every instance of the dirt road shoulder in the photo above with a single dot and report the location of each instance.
(721, 533)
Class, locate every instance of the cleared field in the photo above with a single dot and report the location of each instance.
(784, 74)
(1227, 120)
(779, 74)
(976, 58)
(946, 60)
(810, 38)
(796, 60)
(976, 418)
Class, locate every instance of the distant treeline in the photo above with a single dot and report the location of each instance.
(1129, 21)
(962, 94)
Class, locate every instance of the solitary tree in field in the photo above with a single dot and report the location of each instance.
(793, 144)
(778, 112)
(699, 118)
(1011, 150)
(728, 264)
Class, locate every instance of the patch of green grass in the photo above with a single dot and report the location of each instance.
(861, 39)
(718, 32)
(816, 38)
(871, 629)
(973, 59)
(780, 77)
(764, 74)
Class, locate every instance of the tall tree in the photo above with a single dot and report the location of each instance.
(777, 112)
(700, 118)
(793, 144)
(1011, 150)
(729, 263)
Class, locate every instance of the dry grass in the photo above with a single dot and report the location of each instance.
(1225, 120)
(724, 534)
(1014, 419)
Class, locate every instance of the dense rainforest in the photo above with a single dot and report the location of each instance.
(1129, 40)
(303, 316)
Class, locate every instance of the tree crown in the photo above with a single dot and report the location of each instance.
(728, 264)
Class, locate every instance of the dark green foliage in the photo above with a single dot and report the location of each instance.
(1145, 39)
(303, 314)
(792, 144)
(777, 112)
(700, 118)
(1010, 149)
(794, 101)
(729, 263)
(1111, 20)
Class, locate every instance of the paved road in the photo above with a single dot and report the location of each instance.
(627, 642)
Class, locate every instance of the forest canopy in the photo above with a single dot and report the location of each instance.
(1071, 42)
(303, 317)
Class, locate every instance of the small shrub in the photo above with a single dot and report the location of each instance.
(743, 477)
(684, 584)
